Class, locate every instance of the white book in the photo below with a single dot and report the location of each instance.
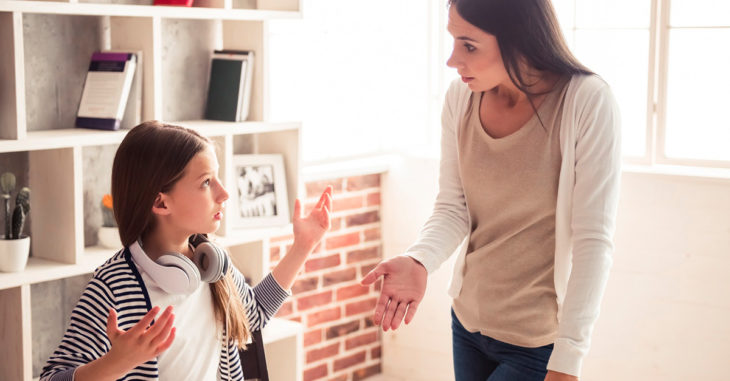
(106, 90)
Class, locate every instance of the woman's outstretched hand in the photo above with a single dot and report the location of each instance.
(404, 283)
(309, 230)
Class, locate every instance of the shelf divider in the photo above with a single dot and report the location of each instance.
(15, 333)
(12, 77)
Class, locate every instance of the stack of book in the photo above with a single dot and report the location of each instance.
(229, 88)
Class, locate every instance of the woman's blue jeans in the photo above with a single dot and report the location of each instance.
(482, 358)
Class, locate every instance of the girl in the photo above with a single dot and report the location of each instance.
(529, 183)
(166, 197)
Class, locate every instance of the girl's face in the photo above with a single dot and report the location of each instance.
(476, 55)
(197, 200)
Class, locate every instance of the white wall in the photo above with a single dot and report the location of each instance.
(667, 304)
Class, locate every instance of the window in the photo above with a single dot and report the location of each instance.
(356, 74)
(696, 125)
(666, 62)
(370, 77)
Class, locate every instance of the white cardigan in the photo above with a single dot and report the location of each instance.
(588, 190)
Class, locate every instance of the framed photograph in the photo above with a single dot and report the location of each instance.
(259, 197)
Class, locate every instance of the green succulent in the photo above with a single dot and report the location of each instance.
(14, 223)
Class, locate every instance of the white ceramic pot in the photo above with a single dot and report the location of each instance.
(109, 237)
(14, 254)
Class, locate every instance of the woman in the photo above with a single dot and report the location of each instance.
(529, 181)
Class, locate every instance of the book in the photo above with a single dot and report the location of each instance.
(133, 111)
(229, 87)
(106, 90)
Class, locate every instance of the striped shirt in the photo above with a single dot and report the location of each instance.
(117, 284)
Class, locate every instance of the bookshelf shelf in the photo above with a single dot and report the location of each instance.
(124, 10)
(78, 137)
(48, 46)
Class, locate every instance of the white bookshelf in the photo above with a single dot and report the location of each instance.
(39, 63)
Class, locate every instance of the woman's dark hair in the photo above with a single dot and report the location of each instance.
(151, 159)
(525, 30)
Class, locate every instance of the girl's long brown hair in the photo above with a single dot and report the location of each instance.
(151, 159)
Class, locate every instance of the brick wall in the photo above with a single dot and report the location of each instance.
(340, 341)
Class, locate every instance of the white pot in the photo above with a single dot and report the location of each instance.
(14, 254)
(109, 237)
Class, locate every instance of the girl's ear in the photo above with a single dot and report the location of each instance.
(159, 207)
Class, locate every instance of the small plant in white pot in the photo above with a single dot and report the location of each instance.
(108, 233)
(14, 245)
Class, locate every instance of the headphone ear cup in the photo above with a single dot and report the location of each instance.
(217, 262)
(187, 267)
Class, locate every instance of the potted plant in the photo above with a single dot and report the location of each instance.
(108, 233)
(14, 245)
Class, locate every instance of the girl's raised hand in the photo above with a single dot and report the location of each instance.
(309, 230)
(142, 342)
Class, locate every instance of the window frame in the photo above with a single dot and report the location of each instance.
(662, 12)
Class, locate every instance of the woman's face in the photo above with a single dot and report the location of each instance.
(476, 55)
(197, 200)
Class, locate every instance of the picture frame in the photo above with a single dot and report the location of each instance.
(259, 196)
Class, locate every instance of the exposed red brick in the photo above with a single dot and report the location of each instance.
(368, 322)
(352, 291)
(363, 182)
(378, 284)
(339, 276)
(304, 285)
(349, 361)
(312, 337)
(315, 373)
(331, 350)
(364, 269)
(323, 316)
(285, 309)
(322, 263)
(349, 239)
(366, 372)
(342, 329)
(352, 202)
(363, 218)
(336, 224)
(361, 340)
(342, 377)
(362, 306)
(373, 199)
(315, 188)
(275, 253)
(363, 255)
(372, 234)
(375, 353)
(311, 301)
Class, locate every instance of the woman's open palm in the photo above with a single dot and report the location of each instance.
(404, 283)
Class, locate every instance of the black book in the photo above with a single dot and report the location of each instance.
(229, 86)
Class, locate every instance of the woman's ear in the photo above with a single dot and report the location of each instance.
(160, 207)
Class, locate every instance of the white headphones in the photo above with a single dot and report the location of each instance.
(176, 273)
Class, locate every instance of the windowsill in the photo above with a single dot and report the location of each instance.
(699, 173)
(359, 166)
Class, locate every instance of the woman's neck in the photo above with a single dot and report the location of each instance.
(511, 96)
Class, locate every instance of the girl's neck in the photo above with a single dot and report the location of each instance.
(158, 243)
